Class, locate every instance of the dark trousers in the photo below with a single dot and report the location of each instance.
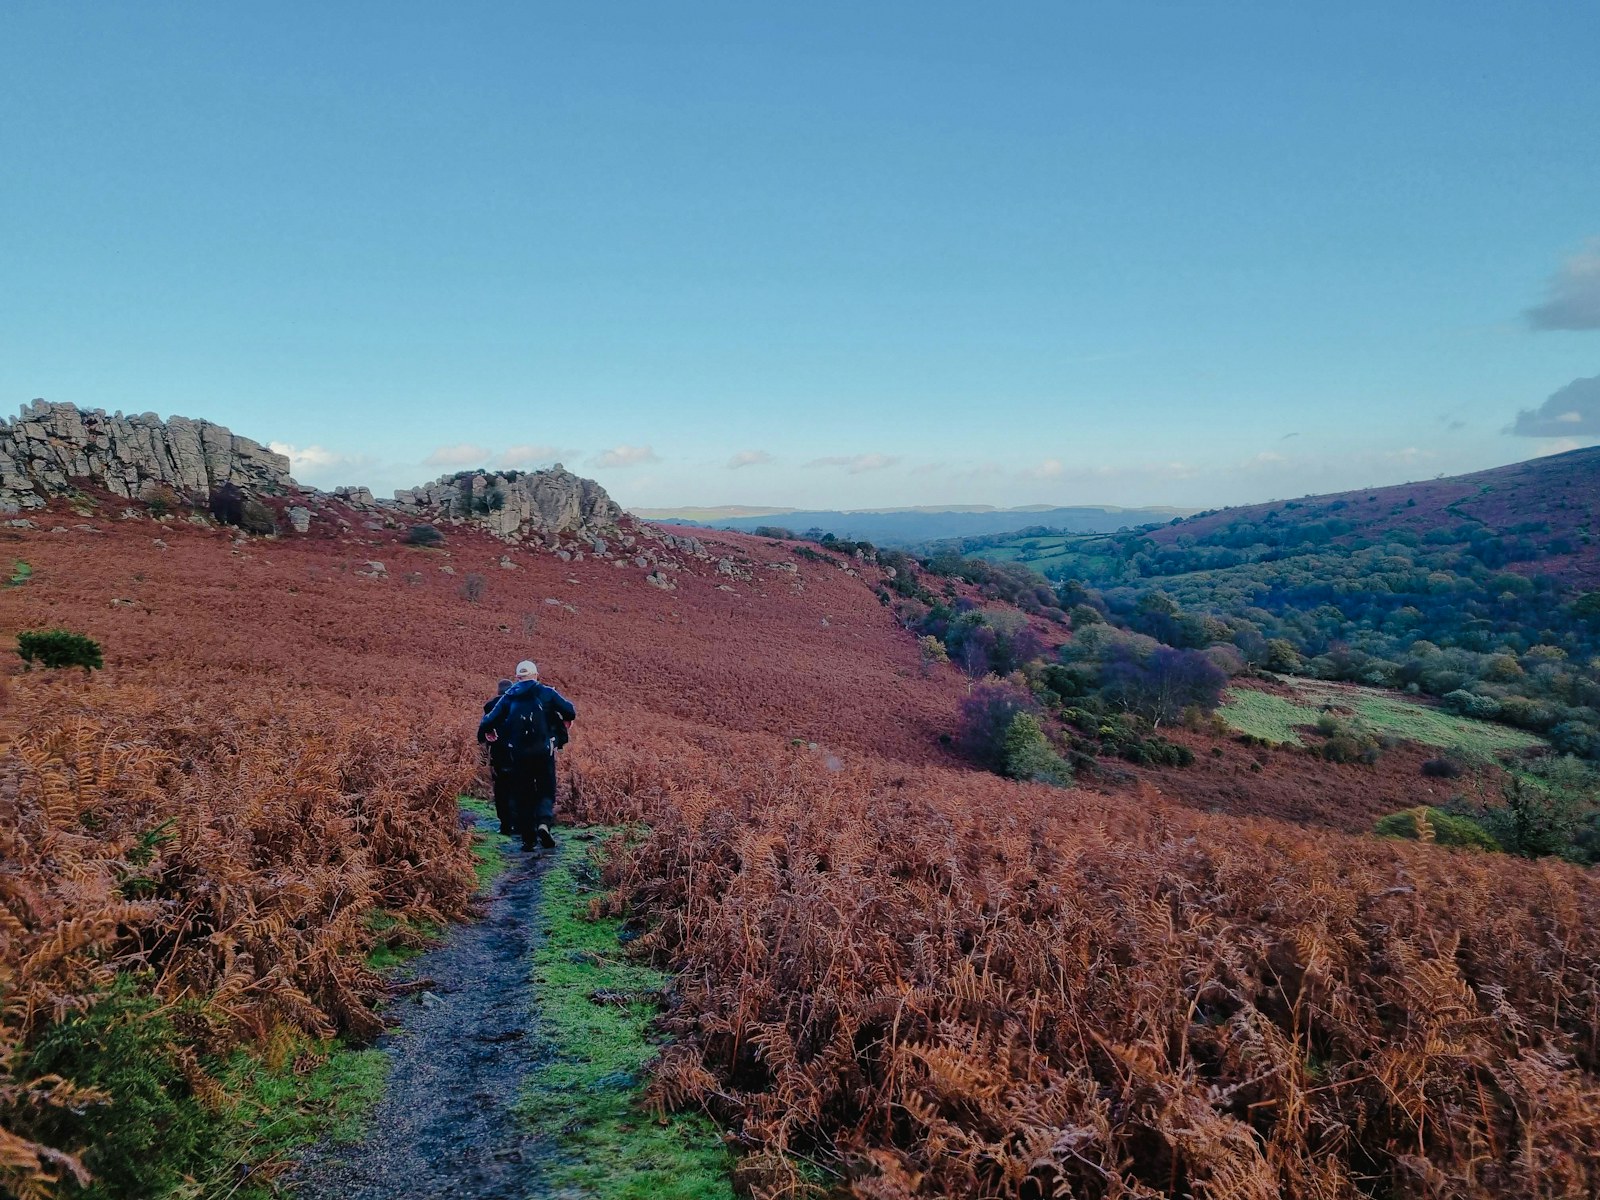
(532, 793)
(504, 791)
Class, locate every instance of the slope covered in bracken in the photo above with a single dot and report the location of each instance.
(919, 979)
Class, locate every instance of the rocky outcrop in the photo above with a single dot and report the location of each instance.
(51, 447)
(518, 506)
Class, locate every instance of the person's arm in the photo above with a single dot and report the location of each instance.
(562, 706)
(491, 719)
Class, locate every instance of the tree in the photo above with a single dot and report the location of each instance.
(1161, 686)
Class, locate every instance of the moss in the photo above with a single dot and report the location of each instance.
(590, 1088)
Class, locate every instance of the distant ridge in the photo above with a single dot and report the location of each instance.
(915, 525)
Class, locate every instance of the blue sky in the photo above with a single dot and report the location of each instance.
(818, 255)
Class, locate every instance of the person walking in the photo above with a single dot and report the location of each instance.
(531, 719)
(500, 768)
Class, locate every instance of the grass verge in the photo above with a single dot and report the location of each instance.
(595, 1012)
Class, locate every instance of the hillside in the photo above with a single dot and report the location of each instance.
(896, 975)
(1544, 513)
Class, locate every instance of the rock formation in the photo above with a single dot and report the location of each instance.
(518, 506)
(51, 445)
(52, 448)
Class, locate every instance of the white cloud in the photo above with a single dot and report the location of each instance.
(1409, 455)
(625, 456)
(317, 465)
(855, 464)
(463, 454)
(749, 458)
(1573, 294)
(1050, 468)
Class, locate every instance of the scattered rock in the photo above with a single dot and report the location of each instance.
(658, 580)
(21, 523)
(299, 519)
(376, 570)
(447, 569)
(506, 563)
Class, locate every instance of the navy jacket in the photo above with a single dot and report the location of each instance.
(527, 718)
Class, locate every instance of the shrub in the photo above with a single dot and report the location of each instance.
(1470, 704)
(230, 506)
(1346, 741)
(154, 1130)
(424, 535)
(59, 648)
(1437, 826)
(1442, 768)
(986, 715)
(1029, 756)
(472, 588)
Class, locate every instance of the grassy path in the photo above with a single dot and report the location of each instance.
(595, 1011)
(519, 1071)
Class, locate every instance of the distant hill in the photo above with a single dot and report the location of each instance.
(1545, 512)
(1540, 517)
(914, 526)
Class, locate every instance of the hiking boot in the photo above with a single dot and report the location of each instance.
(546, 839)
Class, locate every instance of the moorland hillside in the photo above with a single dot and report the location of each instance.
(898, 974)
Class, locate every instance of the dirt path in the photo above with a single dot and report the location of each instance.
(447, 1126)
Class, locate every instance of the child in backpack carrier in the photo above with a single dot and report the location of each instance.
(525, 726)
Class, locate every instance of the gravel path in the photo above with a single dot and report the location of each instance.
(447, 1126)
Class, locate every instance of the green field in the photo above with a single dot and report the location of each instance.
(1276, 718)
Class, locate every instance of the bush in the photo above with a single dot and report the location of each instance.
(1470, 704)
(59, 648)
(1346, 741)
(1442, 768)
(424, 535)
(1029, 756)
(1437, 826)
(154, 1130)
(986, 715)
(230, 506)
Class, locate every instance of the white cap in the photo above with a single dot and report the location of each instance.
(527, 669)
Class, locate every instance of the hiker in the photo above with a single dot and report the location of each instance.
(532, 720)
(500, 768)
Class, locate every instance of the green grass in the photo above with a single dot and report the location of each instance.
(278, 1111)
(588, 1090)
(1275, 718)
(490, 851)
(1267, 716)
(21, 572)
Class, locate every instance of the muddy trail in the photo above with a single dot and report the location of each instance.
(448, 1124)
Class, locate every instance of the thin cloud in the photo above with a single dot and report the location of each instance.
(855, 464)
(314, 464)
(1050, 468)
(1573, 294)
(463, 454)
(625, 456)
(749, 458)
(1572, 411)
